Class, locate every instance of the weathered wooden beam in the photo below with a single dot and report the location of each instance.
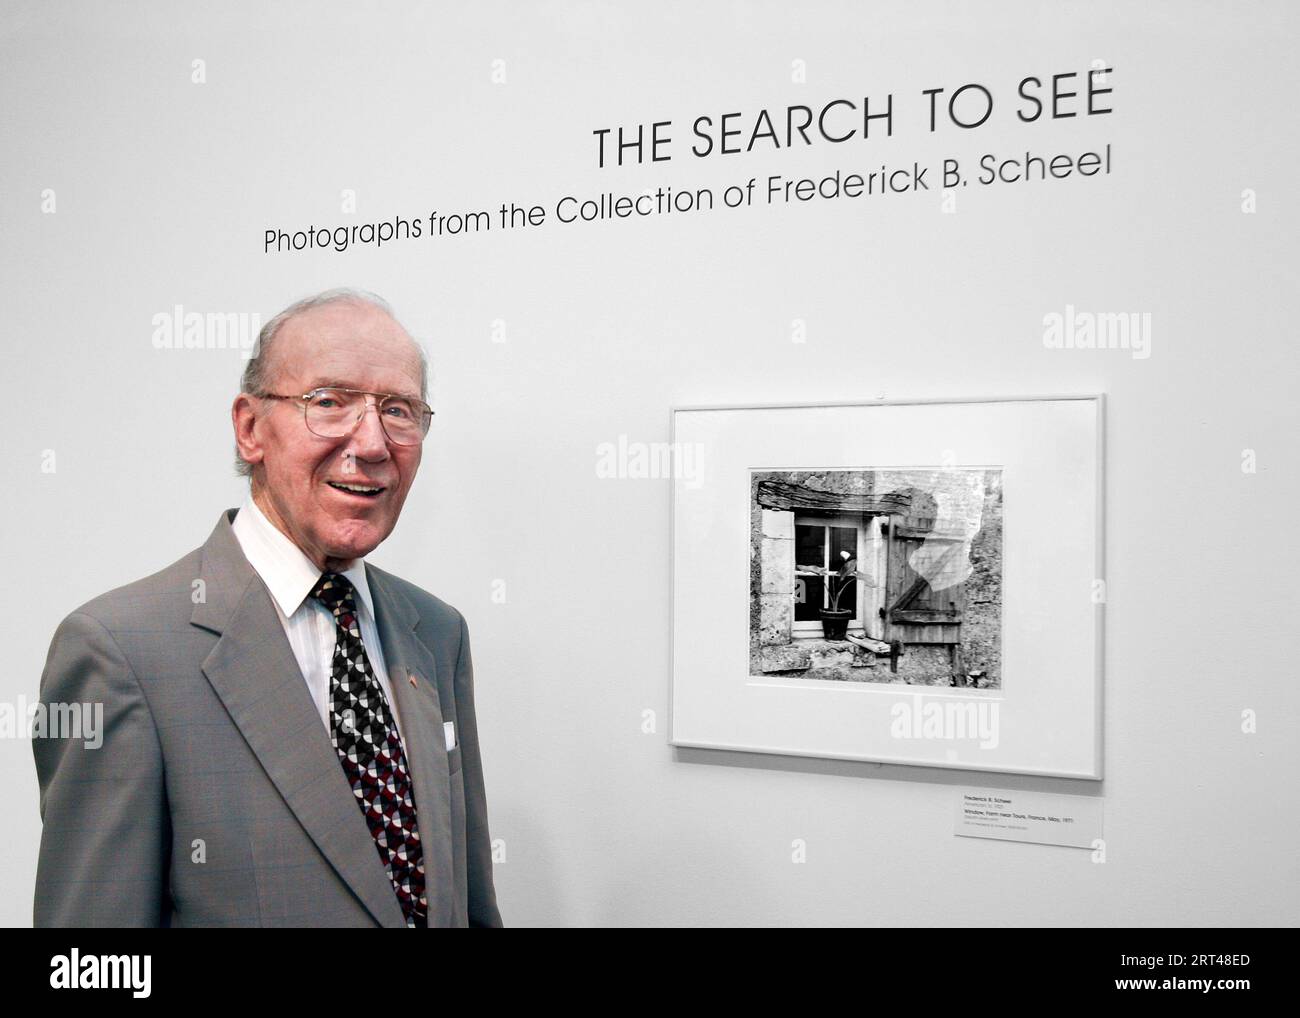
(790, 497)
(875, 646)
(926, 616)
(927, 534)
(910, 595)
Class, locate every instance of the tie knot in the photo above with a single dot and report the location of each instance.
(335, 592)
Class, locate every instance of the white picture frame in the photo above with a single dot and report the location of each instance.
(1044, 715)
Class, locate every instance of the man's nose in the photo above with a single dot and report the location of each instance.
(369, 442)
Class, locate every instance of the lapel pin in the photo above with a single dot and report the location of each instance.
(411, 677)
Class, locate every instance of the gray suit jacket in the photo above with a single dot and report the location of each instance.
(216, 798)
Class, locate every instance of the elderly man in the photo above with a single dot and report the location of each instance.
(289, 735)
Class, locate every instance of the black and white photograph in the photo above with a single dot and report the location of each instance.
(901, 613)
(878, 576)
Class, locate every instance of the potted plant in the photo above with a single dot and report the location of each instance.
(835, 620)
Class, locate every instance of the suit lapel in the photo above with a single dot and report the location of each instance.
(419, 710)
(253, 671)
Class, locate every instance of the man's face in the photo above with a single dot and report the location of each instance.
(345, 345)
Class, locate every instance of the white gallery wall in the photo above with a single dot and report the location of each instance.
(145, 152)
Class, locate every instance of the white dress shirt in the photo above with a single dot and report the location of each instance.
(290, 576)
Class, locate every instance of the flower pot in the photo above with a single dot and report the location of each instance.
(835, 625)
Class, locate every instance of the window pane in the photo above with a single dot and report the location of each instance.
(809, 550)
(845, 539)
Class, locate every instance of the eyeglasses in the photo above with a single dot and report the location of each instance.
(335, 413)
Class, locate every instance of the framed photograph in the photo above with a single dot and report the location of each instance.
(902, 582)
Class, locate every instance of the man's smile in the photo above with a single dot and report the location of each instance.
(356, 490)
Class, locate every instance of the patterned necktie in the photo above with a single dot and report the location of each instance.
(370, 750)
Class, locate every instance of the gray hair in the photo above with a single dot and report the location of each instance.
(256, 380)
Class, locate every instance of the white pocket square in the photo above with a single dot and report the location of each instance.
(449, 733)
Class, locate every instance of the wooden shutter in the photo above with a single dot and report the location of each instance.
(917, 613)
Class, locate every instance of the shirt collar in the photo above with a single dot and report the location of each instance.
(289, 575)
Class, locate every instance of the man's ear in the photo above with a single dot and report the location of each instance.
(244, 414)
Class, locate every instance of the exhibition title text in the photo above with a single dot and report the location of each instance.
(967, 106)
